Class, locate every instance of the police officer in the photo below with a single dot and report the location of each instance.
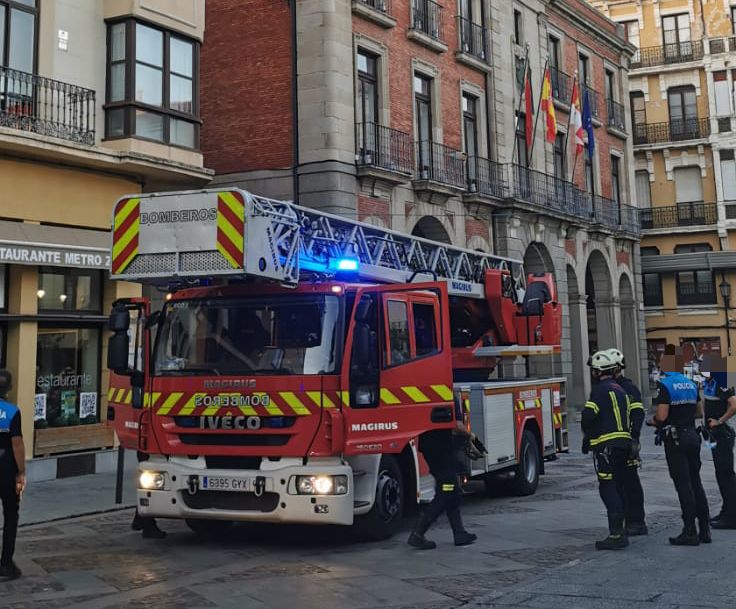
(605, 423)
(630, 485)
(438, 449)
(720, 406)
(12, 475)
(678, 404)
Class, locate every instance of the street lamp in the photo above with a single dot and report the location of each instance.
(725, 289)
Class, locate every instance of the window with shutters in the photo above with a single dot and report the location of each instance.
(728, 175)
(683, 113)
(643, 189)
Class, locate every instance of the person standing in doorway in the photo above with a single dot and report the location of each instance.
(12, 474)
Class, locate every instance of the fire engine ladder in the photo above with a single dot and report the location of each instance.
(307, 240)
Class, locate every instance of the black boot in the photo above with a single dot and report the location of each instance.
(138, 522)
(704, 531)
(11, 571)
(688, 537)
(463, 538)
(151, 530)
(617, 539)
(636, 529)
(419, 541)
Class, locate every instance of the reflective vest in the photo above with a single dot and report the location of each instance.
(7, 412)
(681, 389)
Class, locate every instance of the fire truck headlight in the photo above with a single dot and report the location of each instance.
(322, 485)
(151, 481)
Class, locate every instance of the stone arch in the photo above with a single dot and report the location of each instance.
(479, 244)
(600, 303)
(629, 327)
(578, 347)
(537, 258)
(429, 227)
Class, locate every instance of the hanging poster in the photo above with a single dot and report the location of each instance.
(39, 406)
(68, 403)
(87, 404)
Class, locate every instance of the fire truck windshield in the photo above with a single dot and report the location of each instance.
(290, 334)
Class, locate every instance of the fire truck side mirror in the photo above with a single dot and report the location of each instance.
(117, 353)
(119, 320)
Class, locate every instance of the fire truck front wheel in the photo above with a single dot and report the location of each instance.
(526, 476)
(388, 507)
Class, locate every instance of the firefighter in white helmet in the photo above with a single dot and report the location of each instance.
(605, 424)
(630, 486)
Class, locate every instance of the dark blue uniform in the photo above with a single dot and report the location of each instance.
(716, 395)
(630, 485)
(10, 428)
(682, 446)
(605, 422)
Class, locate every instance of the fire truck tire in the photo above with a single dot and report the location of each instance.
(385, 516)
(526, 476)
(208, 528)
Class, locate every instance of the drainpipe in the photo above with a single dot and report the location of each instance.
(294, 103)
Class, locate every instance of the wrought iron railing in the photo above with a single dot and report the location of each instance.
(486, 177)
(678, 52)
(592, 100)
(379, 146)
(703, 292)
(427, 18)
(29, 102)
(440, 163)
(696, 213)
(473, 38)
(652, 295)
(722, 45)
(676, 130)
(561, 84)
(616, 115)
(543, 190)
(383, 6)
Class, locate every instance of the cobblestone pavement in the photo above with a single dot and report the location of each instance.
(532, 552)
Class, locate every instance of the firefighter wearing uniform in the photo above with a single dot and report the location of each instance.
(439, 452)
(630, 486)
(678, 404)
(719, 407)
(605, 423)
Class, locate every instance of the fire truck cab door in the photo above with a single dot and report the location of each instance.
(125, 403)
(399, 369)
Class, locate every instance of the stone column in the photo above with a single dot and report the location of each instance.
(630, 341)
(23, 300)
(580, 385)
(605, 313)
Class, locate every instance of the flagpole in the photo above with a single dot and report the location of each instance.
(569, 114)
(536, 118)
(518, 108)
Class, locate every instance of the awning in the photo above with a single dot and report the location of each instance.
(694, 261)
(38, 244)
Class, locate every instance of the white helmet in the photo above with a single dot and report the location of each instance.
(618, 357)
(602, 361)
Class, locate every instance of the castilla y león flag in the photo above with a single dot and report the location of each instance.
(548, 108)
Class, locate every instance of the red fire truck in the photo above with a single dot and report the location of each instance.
(299, 355)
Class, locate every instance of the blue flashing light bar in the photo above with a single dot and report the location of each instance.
(347, 264)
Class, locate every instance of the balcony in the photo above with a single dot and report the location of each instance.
(721, 45)
(561, 85)
(486, 178)
(682, 215)
(47, 107)
(378, 11)
(700, 293)
(426, 25)
(592, 100)
(616, 115)
(473, 44)
(668, 54)
(679, 130)
(546, 191)
(384, 153)
(440, 171)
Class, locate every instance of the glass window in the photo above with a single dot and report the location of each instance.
(518, 28)
(631, 31)
(398, 332)
(643, 189)
(367, 106)
(425, 334)
(695, 287)
(67, 376)
(560, 157)
(615, 179)
(423, 117)
(62, 289)
(160, 101)
(652, 289)
(470, 124)
(22, 40)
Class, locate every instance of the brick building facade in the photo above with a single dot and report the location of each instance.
(402, 113)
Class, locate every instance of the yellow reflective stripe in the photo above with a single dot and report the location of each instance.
(610, 436)
(448, 487)
(519, 404)
(593, 406)
(150, 399)
(169, 402)
(128, 397)
(272, 408)
(443, 391)
(125, 211)
(605, 476)
(248, 411)
(124, 264)
(415, 394)
(635, 405)
(110, 393)
(126, 237)
(224, 225)
(190, 405)
(616, 412)
(389, 398)
(235, 206)
(294, 402)
(321, 399)
(345, 397)
(119, 397)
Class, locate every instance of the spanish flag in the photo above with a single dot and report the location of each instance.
(548, 108)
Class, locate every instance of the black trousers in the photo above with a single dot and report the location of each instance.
(610, 466)
(11, 508)
(447, 495)
(725, 476)
(632, 493)
(683, 461)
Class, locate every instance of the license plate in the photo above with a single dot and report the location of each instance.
(224, 483)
